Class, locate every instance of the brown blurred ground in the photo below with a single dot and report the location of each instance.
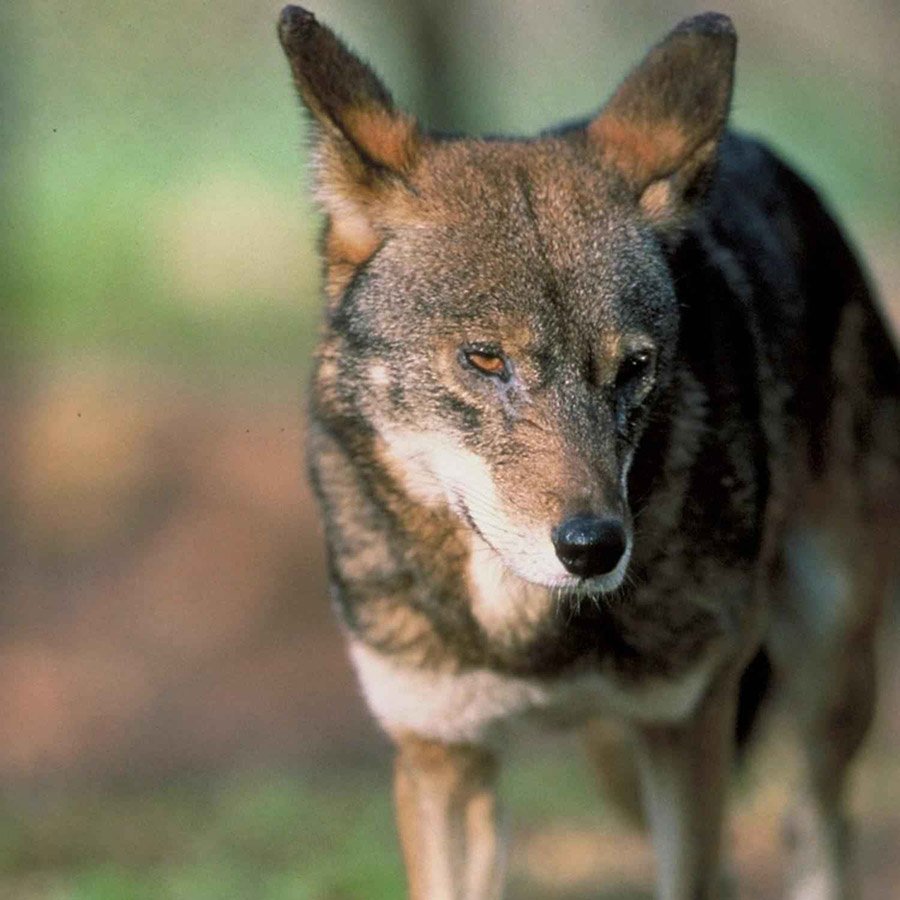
(167, 607)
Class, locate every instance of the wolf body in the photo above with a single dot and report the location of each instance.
(597, 419)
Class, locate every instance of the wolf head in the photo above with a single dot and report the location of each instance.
(502, 316)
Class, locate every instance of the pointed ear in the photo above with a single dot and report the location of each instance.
(363, 145)
(661, 128)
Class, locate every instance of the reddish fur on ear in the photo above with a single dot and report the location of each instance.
(638, 150)
(660, 129)
(364, 145)
(390, 139)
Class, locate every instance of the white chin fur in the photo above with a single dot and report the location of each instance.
(510, 599)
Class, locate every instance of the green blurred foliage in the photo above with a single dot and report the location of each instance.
(265, 836)
(156, 157)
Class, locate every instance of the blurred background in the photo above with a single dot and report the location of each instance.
(177, 717)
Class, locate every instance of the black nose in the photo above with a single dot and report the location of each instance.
(588, 545)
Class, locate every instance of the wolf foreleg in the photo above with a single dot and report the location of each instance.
(685, 771)
(447, 819)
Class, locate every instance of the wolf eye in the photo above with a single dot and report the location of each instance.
(488, 363)
(634, 368)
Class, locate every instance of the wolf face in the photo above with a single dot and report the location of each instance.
(502, 314)
(509, 372)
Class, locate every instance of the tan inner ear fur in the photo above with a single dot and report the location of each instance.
(346, 248)
(663, 200)
(354, 193)
(351, 236)
(390, 139)
(641, 152)
(657, 201)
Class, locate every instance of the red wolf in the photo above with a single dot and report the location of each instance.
(604, 424)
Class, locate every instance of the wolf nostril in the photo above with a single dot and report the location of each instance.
(589, 545)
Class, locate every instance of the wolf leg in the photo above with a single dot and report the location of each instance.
(610, 751)
(819, 833)
(828, 662)
(447, 819)
(685, 770)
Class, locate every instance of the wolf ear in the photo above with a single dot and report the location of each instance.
(362, 142)
(660, 129)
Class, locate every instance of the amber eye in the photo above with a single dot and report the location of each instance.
(487, 362)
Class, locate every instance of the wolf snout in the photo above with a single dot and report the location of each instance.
(589, 545)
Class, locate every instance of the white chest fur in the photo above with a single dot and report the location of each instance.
(478, 706)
